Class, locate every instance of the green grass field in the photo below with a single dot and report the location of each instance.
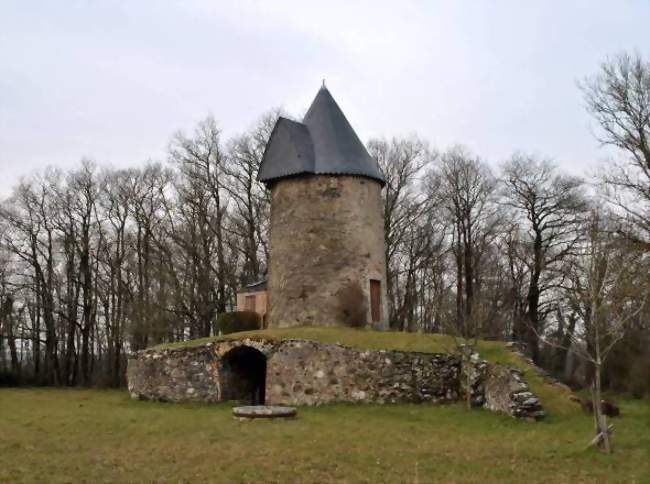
(50, 435)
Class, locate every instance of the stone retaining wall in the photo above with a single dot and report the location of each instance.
(497, 387)
(300, 372)
(306, 372)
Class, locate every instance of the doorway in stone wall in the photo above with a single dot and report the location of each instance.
(243, 376)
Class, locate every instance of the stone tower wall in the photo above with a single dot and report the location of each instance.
(326, 244)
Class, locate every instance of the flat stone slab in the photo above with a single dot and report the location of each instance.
(264, 411)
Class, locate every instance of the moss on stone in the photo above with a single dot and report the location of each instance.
(554, 398)
(355, 338)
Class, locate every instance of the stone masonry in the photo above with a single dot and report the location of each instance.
(300, 372)
(501, 388)
(326, 244)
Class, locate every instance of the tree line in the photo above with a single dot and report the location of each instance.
(97, 262)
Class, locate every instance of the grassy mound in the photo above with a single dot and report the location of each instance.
(554, 398)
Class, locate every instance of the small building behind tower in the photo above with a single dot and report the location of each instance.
(327, 261)
(252, 297)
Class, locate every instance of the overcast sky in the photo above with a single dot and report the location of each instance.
(113, 80)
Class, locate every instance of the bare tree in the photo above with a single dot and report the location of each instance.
(115, 287)
(202, 206)
(618, 98)
(31, 238)
(465, 187)
(549, 207)
(403, 163)
(156, 257)
(7, 318)
(251, 203)
(606, 293)
(83, 184)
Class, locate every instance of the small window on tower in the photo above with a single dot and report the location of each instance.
(249, 303)
(375, 300)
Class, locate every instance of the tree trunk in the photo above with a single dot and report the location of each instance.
(6, 320)
(532, 298)
(600, 421)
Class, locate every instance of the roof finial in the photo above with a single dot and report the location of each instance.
(323, 86)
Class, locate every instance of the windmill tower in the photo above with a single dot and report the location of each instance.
(327, 262)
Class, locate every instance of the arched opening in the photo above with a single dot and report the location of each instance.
(243, 375)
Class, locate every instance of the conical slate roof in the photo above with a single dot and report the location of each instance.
(324, 143)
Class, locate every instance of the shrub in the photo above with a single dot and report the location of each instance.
(8, 379)
(236, 321)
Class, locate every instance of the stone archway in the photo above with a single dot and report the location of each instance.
(243, 375)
